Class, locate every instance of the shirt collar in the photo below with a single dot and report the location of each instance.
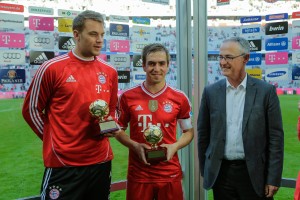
(241, 85)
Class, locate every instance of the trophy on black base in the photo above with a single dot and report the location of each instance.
(100, 110)
(153, 135)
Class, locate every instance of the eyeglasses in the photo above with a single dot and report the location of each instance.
(228, 58)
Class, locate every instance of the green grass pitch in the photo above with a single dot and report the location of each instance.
(21, 165)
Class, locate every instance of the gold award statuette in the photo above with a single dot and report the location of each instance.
(100, 110)
(153, 135)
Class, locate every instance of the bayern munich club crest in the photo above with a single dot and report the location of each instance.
(168, 106)
(102, 77)
(54, 192)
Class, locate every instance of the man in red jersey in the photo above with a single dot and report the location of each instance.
(154, 103)
(77, 158)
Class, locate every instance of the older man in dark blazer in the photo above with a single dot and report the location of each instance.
(240, 134)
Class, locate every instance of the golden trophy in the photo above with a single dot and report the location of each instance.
(153, 135)
(100, 110)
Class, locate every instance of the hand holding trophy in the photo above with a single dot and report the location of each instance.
(100, 110)
(153, 135)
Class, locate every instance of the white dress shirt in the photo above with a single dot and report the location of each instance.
(235, 102)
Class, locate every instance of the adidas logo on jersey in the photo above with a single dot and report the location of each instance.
(70, 44)
(40, 59)
(139, 107)
(71, 79)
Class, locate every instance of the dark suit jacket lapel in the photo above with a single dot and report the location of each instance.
(249, 100)
(221, 93)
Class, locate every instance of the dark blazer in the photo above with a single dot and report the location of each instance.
(262, 133)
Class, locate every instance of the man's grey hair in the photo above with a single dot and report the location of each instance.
(243, 43)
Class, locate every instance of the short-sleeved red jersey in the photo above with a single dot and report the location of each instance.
(56, 107)
(141, 108)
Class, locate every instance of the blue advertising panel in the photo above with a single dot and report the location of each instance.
(104, 45)
(277, 16)
(296, 72)
(141, 20)
(251, 30)
(250, 19)
(255, 59)
(12, 76)
(119, 30)
(276, 44)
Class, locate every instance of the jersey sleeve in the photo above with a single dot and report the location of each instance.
(185, 111)
(184, 116)
(123, 112)
(35, 102)
(114, 96)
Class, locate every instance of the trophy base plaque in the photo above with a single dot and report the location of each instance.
(108, 126)
(156, 155)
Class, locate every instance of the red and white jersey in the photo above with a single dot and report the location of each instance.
(140, 108)
(56, 107)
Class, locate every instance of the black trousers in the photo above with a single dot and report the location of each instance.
(233, 182)
(77, 183)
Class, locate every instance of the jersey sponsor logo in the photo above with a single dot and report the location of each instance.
(71, 79)
(98, 89)
(168, 107)
(145, 121)
(153, 105)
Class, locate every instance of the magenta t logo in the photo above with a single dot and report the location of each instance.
(12, 40)
(41, 23)
(277, 58)
(5, 39)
